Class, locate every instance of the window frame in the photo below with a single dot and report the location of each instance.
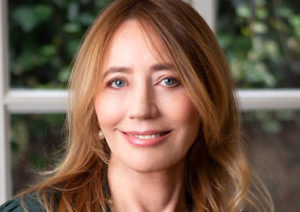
(5, 173)
(29, 101)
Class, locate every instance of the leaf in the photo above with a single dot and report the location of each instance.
(72, 46)
(64, 74)
(43, 12)
(272, 49)
(86, 18)
(259, 27)
(72, 28)
(295, 22)
(261, 13)
(24, 16)
(271, 126)
(285, 115)
(73, 11)
(38, 160)
(61, 3)
(244, 11)
(260, 2)
(246, 31)
(47, 50)
(101, 3)
(285, 12)
(28, 17)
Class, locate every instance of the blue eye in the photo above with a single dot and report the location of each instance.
(170, 82)
(118, 83)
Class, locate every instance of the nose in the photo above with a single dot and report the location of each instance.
(142, 103)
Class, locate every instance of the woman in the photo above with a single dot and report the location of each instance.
(154, 124)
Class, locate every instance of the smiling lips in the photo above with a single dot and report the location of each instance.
(146, 138)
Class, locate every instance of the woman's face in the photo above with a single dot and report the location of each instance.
(144, 111)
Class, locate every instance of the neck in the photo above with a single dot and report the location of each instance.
(136, 191)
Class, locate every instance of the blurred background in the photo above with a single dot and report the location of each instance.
(260, 38)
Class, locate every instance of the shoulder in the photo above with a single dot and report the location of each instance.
(30, 201)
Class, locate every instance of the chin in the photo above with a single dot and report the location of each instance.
(151, 165)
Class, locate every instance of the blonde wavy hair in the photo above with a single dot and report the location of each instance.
(217, 171)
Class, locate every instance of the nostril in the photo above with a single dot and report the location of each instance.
(143, 110)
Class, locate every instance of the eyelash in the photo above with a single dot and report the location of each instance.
(110, 83)
(176, 82)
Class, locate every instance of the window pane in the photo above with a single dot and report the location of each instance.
(36, 142)
(44, 37)
(261, 40)
(274, 145)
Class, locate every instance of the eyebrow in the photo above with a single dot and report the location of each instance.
(112, 70)
(155, 67)
(163, 66)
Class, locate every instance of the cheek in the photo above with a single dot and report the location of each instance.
(109, 110)
(183, 116)
(180, 109)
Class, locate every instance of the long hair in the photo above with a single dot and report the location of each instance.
(217, 175)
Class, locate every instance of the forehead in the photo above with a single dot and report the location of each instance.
(135, 38)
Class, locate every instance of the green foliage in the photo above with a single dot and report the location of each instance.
(36, 144)
(35, 15)
(44, 38)
(271, 121)
(261, 40)
(31, 135)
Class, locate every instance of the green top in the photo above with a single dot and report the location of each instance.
(31, 204)
(30, 201)
(15, 205)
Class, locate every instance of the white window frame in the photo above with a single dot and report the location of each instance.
(5, 171)
(14, 101)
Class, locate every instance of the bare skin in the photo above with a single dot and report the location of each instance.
(148, 121)
(147, 192)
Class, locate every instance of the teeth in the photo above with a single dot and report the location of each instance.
(146, 136)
